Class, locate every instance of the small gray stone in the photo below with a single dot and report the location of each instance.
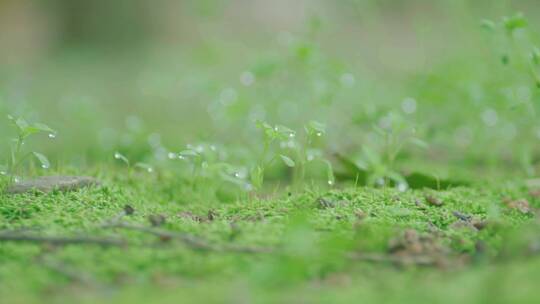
(50, 183)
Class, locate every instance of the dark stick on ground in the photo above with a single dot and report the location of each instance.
(420, 260)
(187, 239)
(15, 236)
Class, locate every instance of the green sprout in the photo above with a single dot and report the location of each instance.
(139, 165)
(24, 130)
(294, 151)
(208, 166)
(379, 158)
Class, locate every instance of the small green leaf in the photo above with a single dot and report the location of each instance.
(20, 123)
(146, 167)
(45, 164)
(488, 24)
(30, 130)
(317, 126)
(43, 128)
(505, 59)
(257, 176)
(284, 132)
(331, 179)
(535, 56)
(188, 153)
(287, 160)
(419, 143)
(119, 156)
(515, 22)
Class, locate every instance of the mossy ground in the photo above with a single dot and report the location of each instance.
(314, 240)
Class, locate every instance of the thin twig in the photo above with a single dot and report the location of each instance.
(164, 235)
(188, 239)
(382, 258)
(14, 236)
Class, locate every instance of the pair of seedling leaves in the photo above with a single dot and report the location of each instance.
(511, 25)
(24, 131)
(301, 149)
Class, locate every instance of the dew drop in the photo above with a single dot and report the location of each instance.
(45, 166)
(319, 134)
(172, 155)
(292, 135)
(52, 135)
(347, 80)
(150, 169)
(3, 172)
(16, 180)
(490, 117)
(228, 96)
(247, 78)
(408, 105)
(330, 182)
(154, 140)
(402, 187)
(117, 155)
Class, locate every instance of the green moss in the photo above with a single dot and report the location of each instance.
(312, 246)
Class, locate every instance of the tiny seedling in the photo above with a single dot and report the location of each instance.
(24, 130)
(294, 151)
(139, 165)
(523, 53)
(207, 165)
(389, 140)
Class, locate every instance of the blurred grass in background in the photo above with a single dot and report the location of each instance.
(145, 78)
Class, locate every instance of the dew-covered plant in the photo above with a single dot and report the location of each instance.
(519, 53)
(295, 150)
(388, 139)
(24, 131)
(205, 165)
(131, 167)
(515, 45)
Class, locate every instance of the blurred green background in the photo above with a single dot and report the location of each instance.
(148, 77)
